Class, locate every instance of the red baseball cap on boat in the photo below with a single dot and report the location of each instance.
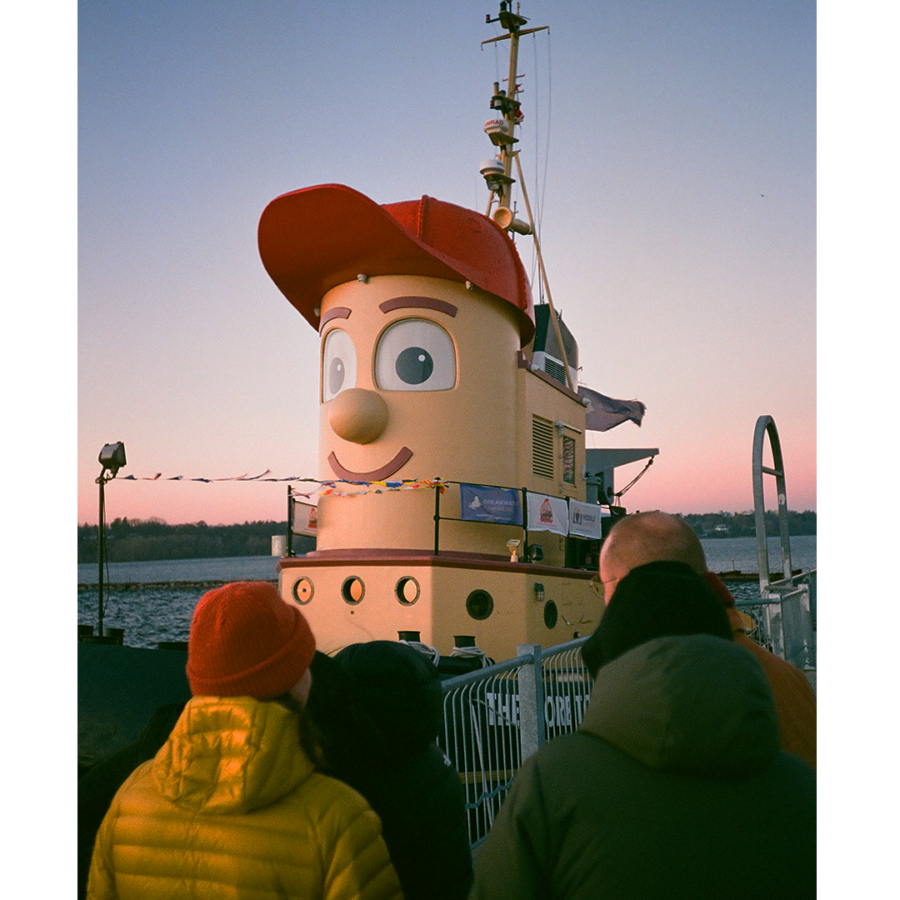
(316, 238)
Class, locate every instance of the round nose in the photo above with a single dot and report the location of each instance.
(358, 415)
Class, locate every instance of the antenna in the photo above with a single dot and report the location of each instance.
(497, 173)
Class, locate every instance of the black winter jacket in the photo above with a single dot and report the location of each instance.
(379, 708)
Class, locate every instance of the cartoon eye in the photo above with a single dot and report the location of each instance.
(415, 355)
(338, 364)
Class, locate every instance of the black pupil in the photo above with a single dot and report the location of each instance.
(414, 365)
(335, 375)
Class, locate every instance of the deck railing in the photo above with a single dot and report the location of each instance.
(787, 612)
(785, 620)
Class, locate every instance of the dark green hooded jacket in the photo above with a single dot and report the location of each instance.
(674, 787)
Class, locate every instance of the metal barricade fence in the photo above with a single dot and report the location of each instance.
(496, 717)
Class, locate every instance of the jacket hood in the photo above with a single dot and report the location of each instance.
(697, 705)
(231, 755)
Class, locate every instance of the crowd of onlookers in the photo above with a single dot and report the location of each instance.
(294, 774)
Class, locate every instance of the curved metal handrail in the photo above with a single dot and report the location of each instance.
(765, 425)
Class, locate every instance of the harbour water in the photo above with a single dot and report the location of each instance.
(739, 554)
(154, 601)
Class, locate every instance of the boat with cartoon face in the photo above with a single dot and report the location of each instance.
(457, 502)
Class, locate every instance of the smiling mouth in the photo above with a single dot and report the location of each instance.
(397, 463)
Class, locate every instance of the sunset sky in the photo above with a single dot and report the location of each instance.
(669, 146)
(679, 187)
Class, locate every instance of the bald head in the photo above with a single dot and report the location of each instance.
(644, 538)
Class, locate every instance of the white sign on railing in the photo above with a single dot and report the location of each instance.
(306, 519)
(546, 513)
(559, 712)
(584, 519)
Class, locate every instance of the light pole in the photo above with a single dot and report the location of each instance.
(112, 458)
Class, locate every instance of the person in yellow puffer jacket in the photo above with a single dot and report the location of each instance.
(232, 806)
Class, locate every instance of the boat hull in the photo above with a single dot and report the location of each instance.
(352, 596)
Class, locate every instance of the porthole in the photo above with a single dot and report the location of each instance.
(407, 590)
(551, 614)
(303, 591)
(353, 590)
(479, 604)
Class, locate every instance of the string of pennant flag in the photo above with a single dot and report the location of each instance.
(378, 487)
(323, 487)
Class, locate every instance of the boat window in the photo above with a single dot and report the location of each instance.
(415, 355)
(551, 614)
(303, 591)
(338, 364)
(407, 590)
(568, 457)
(353, 590)
(479, 604)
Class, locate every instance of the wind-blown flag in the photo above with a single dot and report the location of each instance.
(604, 413)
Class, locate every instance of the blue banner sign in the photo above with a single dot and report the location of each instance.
(481, 503)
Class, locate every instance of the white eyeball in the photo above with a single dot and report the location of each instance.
(415, 355)
(338, 364)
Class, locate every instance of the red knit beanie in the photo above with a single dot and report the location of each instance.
(247, 642)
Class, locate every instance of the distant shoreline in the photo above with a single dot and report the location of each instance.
(153, 540)
(208, 584)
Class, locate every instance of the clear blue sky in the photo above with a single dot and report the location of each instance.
(671, 148)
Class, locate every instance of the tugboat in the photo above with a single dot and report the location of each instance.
(457, 504)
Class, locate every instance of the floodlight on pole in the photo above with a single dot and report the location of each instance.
(112, 458)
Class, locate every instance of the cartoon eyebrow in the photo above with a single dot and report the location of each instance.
(418, 303)
(339, 312)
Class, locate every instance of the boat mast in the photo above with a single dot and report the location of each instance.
(498, 172)
(502, 131)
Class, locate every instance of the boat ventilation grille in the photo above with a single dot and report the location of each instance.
(555, 370)
(542, 447)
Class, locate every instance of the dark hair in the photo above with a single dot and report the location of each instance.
(310, 737)
(651, 601)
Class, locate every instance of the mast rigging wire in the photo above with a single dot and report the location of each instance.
(634, 480)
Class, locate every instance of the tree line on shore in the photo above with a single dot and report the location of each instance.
(743, 524)
(138, 540)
